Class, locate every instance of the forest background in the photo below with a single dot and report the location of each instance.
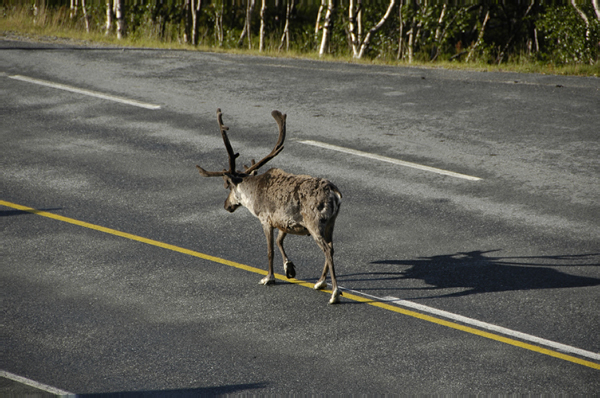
(529, 35)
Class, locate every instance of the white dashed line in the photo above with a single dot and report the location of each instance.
(85, 92)
(35, 384)
(388, 160)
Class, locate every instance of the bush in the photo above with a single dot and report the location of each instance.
(565, 39)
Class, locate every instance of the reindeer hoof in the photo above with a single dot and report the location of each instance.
(335, 297)
(267, 280)
(290, 271)
(320, 285)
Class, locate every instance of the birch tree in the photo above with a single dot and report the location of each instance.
(410, 46)
(285, 37)
(327, 28)
(246, 32)
(479, 37)
(355, 25)
(86, 17)
(191, 11)
(439, 34)
(109, 16)
(263, 9)
(584, 17)
(196, 6)
(119, 15)
(187, 21)
(73, 9)
(596, 4)
(318, 26)
(219, 9)
(400, 53)
(359, 43)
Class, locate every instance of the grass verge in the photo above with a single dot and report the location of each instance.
(51, 29)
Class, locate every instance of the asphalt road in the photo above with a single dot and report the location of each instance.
(87, 311)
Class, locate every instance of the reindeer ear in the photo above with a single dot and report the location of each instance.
(227, 181)
(231, 180)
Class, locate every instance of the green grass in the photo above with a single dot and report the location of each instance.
(51, 26)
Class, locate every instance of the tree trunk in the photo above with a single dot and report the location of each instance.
(354, 25)
(439, 35)
(596, 4)
(285, 37)
(196, 7)
(584, 17)
(367, 40)
(410, 47)
(400, 54)
(219, 34)
(263, 9)
(438, 30)
(327, 27)
(247, 24)
(73, 9)
(318, 23)
(187, 21)
(480, 37)
(86, 17)
(109, 16)
(120, 19)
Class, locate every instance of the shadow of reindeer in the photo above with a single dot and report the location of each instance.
(480, 273)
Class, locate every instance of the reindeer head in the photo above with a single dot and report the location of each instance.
(234, 178)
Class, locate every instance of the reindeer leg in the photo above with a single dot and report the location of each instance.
(288, 266)
(327, 248)
(325, 242)
(335, 291)
(322, 283)
(270, 278)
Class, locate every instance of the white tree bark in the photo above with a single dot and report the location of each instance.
(327, 26)
(318, 23)
(584, 17)
(438, 30)
(86, 17)
(596, 4)
(285, 37)
(247, 24)
(400, 54)
(73, 9)
(196, 6)
(480, 37)
(367, 40)
(109, 16)
(219, 34)
(263, 9)
(354, 24)
(120, 19)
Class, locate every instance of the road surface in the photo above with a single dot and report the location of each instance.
(468, 242)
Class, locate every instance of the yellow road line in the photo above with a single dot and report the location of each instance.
(347, 295)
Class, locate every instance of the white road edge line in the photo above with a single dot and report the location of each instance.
(85, 92)
(35, 384)
(388, 160)
(482, 325)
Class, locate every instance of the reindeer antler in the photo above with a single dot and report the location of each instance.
(280, 119)
(232, 156)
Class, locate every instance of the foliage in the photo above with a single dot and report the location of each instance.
(516, 32)
(564, 37)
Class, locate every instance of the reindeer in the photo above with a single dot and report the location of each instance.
(293, 204)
